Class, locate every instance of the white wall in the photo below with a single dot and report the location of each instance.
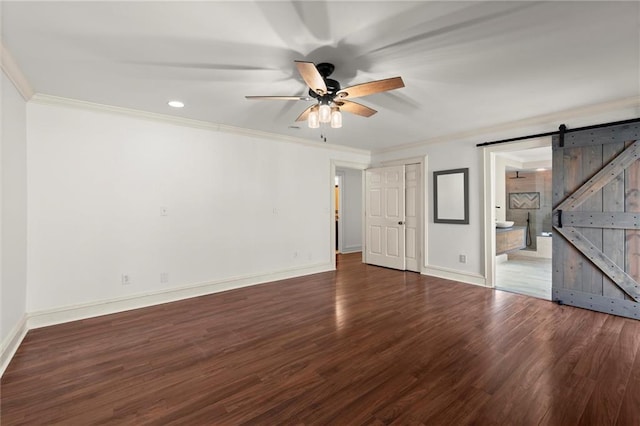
(500, 188)
(501, 183)
(351, 210)
(445, 242)
(13, 187)
(237, 205)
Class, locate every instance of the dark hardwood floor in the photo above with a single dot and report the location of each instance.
(363, 345)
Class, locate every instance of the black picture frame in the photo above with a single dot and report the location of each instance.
(451, 196)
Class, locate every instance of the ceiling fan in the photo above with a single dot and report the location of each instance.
(330, 97)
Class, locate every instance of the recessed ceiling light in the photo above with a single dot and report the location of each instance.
(176, 104)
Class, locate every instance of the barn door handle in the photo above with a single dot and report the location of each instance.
(559, 215)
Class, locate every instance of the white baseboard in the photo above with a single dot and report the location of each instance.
(77, 312)
(104, 307)
(455, 275)
(11, 343)
(352, 249)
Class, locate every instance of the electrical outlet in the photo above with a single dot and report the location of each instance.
(126, 279)
(164, 211)
(463, 258)
(164, 277)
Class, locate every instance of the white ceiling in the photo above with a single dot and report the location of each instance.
(466, 65)
(531, 158)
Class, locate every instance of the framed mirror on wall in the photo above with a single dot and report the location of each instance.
(451, 196)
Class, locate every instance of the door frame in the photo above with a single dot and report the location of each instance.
(423, 214)
(332, 203)
(489, 155)
(339, 237)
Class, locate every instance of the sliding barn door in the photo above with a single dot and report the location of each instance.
(596, 216)
(385, 217)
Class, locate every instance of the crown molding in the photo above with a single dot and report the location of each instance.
(187, 122)
(556, 117)
(14, 74)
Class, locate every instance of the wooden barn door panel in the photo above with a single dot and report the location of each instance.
(613, 239)
(632, 204)
(596, 194)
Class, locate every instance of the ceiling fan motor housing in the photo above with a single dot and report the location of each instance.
(325, 69)
(333, 86)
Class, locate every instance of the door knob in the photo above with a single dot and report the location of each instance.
(401, 223)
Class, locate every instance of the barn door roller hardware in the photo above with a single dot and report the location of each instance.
(562, 130)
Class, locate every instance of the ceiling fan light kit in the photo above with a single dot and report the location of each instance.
(314, 117)
(325, 112)
(330, 97)
(336, 118)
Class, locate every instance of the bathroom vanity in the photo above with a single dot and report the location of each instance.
(510, 239)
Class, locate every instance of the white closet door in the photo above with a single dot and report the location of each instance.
(412, 213)
(385, 217)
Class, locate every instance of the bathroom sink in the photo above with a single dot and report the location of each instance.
(504, 223)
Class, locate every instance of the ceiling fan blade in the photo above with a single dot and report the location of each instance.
(303, 116)
(280, 98)
(370, 88)
(312, 77)
(355, 108)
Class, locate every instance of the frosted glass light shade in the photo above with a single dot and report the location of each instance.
(325, 113)
(314, 118)
(336, 118)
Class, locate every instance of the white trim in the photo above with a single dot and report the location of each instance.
(340, 235)
(454, 275)
(351, 165)
(489, 179)
(13, 73)
(403, 161)
(332, 233)
(351, 249)
(105, 307)
(545, 119)
(12, 342)
(187, 122)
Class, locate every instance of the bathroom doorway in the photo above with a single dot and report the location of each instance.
(518, 229)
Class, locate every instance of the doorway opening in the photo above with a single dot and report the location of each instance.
(346, 208)
(518, 197)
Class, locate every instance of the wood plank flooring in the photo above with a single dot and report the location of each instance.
(363, 345)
